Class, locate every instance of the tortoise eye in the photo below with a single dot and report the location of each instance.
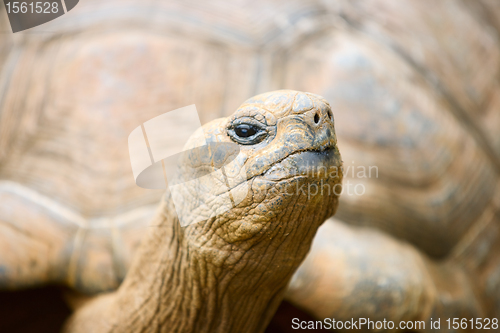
(248, 132)
(245, 131)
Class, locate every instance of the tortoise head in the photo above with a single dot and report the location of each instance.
(253, 189)
(268, 173)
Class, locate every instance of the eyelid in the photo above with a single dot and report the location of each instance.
(249, 121)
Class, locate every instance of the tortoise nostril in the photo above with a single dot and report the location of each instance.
(330, 115)
(316, 118)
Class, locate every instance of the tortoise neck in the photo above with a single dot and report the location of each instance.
(215, 276)
(173, 286)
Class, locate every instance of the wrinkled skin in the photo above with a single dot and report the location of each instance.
(229, 272)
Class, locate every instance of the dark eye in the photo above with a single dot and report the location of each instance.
(249, 132)
(245, 131)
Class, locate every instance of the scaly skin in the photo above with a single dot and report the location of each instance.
(229, 273)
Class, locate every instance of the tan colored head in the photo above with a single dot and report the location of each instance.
(283, 183)
(255, 187)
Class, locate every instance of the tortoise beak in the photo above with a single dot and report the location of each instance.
(318, 163)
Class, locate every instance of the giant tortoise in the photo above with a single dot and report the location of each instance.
(414, 89)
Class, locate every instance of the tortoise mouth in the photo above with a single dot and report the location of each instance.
(316, 164)
(320, 163)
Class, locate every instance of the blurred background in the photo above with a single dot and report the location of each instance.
(413, 85)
